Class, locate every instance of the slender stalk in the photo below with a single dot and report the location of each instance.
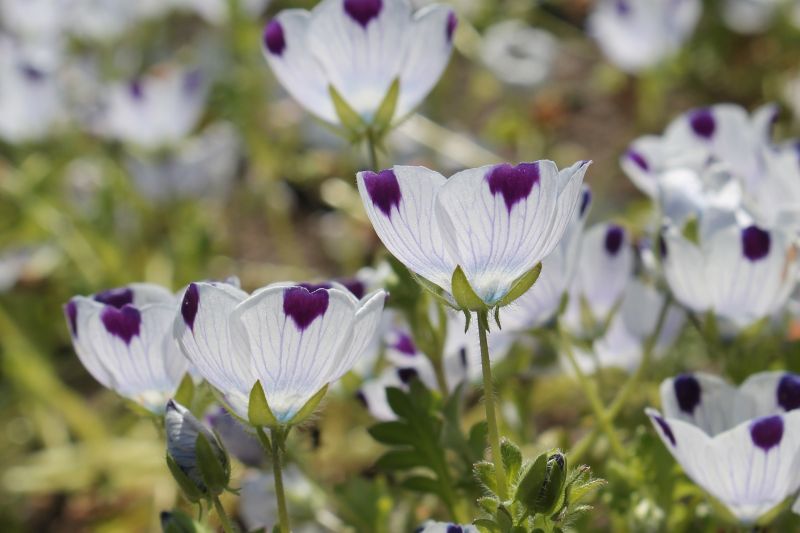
(227, 525)
(488, 402)
(372, 149)
(592, 395)
(283, 514)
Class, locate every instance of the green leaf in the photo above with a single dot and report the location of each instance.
(385, 113)
(464, 294)
(484, 472)
(258, 411)
(512, 458)
(400, 402)
(421, 484)
(489, 504)
(176, 521)
(213, 467)
(348, 117)
(486, 524)
(504, 519)
(185, 391)
(521, 285)
(309, 407)
(188, 487)
(397, 433)
(399, 460)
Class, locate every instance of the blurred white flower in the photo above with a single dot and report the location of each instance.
(239, 440)
(741, 445)
(519, 54)
(124, 339)
(639, 34)
(740, 273)
(27, 262)
(257, 502)
(33, 18)
(157, 110)
(445, 527)
(199, 167)
(359, 48)
(749, 16)
(31, 103)
(294, 339)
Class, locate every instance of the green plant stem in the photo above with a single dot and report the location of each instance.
(227, 525)
(283, 514)
(627, 389)
(488, 402)
(590, 390)
(372, 149)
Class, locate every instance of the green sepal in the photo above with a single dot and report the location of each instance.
(258, 411)
(464, 294)
(177, 521)
(512, 458)
(214, 467)
(190, 490)
(497, 317)
(691, 230)
(531, 483)
(467, 320)
(310, 406)
(521, 285)
(485, 474)
(489, 504)
(432, 288)
(185, 392)
(351, 121)
(385, 114)
(552, 493)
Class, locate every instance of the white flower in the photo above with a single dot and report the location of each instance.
(31, 105)
(540, 304)
(33, 18)
(258, 503)
(445, 527)
(741, 274)
(293, 339)
(749, 16)
(742, 446)
(156, 110)
(519, 54)
(201, 166)
(496, 222)
(639, 34)
(124, 339)
(359, 47)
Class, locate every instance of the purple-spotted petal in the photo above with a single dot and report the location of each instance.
(274, 40)
(514, 183)
(123, 322)
(304, 306)
(755, 243)
(363, 11)
(767, 432)
(383, 190)
(788, 393)
(703, 123)
(115, 297)
(687, 392)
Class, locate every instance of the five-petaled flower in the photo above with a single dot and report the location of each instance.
(357, 50)
(123, 338)
(293, 339)
(741, 445)
(495, 222)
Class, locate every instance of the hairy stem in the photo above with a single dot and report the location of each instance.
(227, 525)
(488, 402)
(283, 514)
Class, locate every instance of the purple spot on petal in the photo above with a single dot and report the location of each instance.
(586, 201)
(355, 286)
(405, 345)
(115, 297)
(452, 24)
(623, 7)
(274, 39)
(363, 11)
(383, 190)
(687, 392)
(304, 306)
(192, 81)
(789, 392)
(123, 323)
(638, 159)
(513, 182)
(453, 528)
(665, 429)
(31, 73)
(311, 287)
(407, 374)
(191, 300)
(614, 237)
(767, 432)
(71, 311)
(703, 123)
(755, 243)
(662, 246)
(136, 89)
(462, 356)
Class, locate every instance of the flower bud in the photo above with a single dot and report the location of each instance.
(196, 458)
(178, 522)
(542, 486)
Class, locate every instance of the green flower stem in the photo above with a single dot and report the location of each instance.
(488, 402)
(596, 404)
(372, 149)
(627, 390)
(278, 439)
(227, 525)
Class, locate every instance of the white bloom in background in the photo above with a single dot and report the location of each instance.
(157, 110)
(741, 274)
(622, 344)
(639, 34)
(123, 337)
(741, 445)
(258, 504)
(239, 440)
(33, 18)
(542, 301)
(26, 263)
(31, 105)
(519, 54)
(749, 16)
(182, 429)
(445, 527)
(294, 340)
(496, 222)
(200, 167)
(606, 265)
(359, 47)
